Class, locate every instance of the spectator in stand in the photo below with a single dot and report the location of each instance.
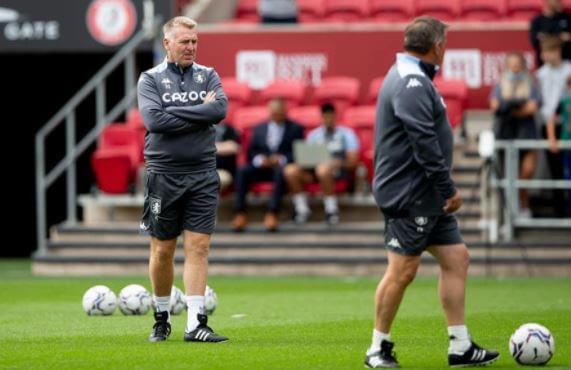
(552, 77)
(269, 154)
(563, 115)
(227, 147)
(278, 11)
(343, 147)
(515, 102)
(552, 22)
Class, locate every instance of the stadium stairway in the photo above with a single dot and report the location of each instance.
(108, 242)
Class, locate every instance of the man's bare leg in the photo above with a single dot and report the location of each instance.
(195, 274)
(161, 270)
(400, 272)
(454, 261)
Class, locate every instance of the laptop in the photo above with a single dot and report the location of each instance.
(309, 155)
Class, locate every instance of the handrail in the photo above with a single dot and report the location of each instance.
(510, 184)
(67, 114)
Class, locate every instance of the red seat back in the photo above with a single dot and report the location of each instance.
(445, 10)
(374, 88)
(247, 11)
(341, 91)
(293, 92)
(346, 10)
(308, 116)
(311, 11)
(239, 94)
(392, 10)
(455, 95)
(482, 10)
(524, 10)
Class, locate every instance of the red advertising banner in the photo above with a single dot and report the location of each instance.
(259, 55)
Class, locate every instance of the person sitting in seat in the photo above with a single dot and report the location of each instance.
(343, 146)
(269, 155)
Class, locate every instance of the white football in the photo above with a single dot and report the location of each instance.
(532, 344)
(210, 301)
(178, 302)
(134, 299)
(99, 300)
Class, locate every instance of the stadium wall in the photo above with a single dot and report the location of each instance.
(260, 54)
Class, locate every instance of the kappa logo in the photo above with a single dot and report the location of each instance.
(167, 83)
(143, 226)
(156, 206)
(421, 221)
(413, 82)
(394, 242)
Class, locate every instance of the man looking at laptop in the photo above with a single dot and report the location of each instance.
(343, 147)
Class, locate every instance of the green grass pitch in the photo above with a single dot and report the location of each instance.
(289, 323)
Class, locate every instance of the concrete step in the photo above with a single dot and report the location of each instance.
(369, 250)
(296, 266)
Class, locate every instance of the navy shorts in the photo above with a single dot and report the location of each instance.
(410, 236)
(177, 202)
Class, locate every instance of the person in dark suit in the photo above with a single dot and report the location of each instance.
(270, 152)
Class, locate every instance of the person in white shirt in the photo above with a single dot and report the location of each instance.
(552, 77)
(343, 146)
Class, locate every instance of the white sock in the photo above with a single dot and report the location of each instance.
(300, 203)
(378, 337)
(330, 203)
(195, 304)
(162, 304)
(461, 341)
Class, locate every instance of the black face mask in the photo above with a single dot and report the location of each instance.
(430, 69)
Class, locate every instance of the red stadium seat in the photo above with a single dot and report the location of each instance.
(566, 4)
(346, 10)
(482, 10)
(455, 95)
(340, 186)
(247, 11)
(342, 92)
(308, 116)
(374, 88)
(392, 10)
(117, 158)
(311, 11)
(239, 95)
(244, 121)
(362, 120)
(524, 10)
(112, 170)
(135, 120)
(294, 92)
(445, 10)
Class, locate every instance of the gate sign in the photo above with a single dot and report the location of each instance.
(72, 25)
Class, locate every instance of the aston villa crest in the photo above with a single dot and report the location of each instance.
(199, 77)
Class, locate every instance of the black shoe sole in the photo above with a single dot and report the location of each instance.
(201, 341)
(478, 364)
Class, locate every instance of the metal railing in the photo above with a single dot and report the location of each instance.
(508, 183)
(67, 114)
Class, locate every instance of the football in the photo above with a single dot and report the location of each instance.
(532, 344)
(210, 300)
(99, 300)
(177, 303)
(134, 299)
